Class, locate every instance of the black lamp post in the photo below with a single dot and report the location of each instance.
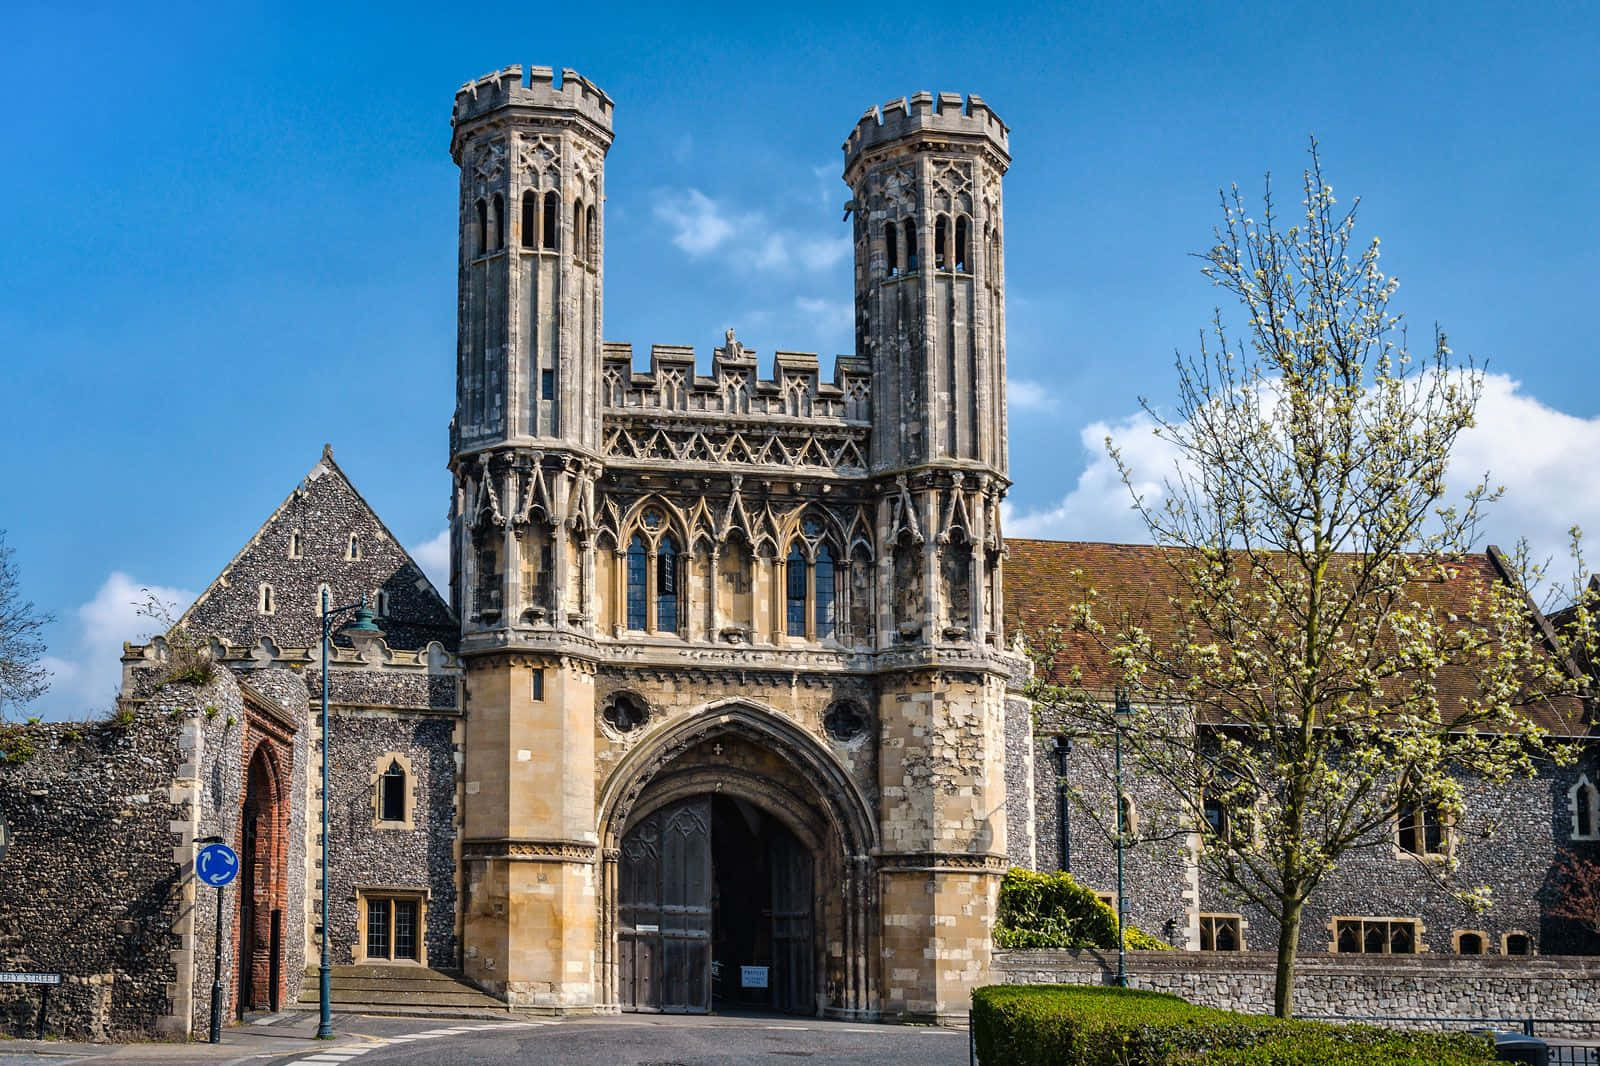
(1124, 711)
(364, 626)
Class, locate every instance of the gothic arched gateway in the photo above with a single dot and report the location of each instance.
(736, 872)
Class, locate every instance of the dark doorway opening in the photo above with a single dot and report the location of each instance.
(716, 904)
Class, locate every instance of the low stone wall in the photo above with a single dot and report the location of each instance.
(1561, 993)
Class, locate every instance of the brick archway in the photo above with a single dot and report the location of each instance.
(263, 883)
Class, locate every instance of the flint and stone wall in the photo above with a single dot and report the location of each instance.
(88, 879)
(1562, 994)
(420, 858)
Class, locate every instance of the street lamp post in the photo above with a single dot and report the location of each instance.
(364, 626)
(1123, 710)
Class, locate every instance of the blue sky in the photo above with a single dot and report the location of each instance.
(228, 235)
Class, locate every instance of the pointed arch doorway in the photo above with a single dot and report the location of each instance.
(716, 906)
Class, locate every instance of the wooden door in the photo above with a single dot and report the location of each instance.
(793, 950)
(664, 911)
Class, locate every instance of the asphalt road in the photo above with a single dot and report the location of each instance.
(651, 1041)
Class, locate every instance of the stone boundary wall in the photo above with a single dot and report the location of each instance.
(88, 886)
(1560, 992)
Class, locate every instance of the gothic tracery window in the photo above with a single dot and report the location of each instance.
(823, 616)
(795, 595)
(530, 219)
(891, 250)
(392, 793)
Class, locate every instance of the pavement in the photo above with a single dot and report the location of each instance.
(626, 1040)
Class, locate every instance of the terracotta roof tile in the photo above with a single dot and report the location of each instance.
(1047, 581)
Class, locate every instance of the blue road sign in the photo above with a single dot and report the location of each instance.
(217, 864)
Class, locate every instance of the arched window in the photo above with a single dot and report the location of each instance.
(667, 586)
(891, 249)
(530, 219)
(589, 230)
(497, 221)
(392, 794)
(552, 215)
(297, 545)
(483, 227)
(1469, 944)
(795, 592)
(963, 238)
(577, 229)
(265, 602)
(1517, 944)
(941, 243)
(352, 550)
(911, 244)
(638, 575)
(824, 593)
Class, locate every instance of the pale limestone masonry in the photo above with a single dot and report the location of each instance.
(736, 556)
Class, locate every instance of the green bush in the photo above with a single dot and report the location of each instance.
(1061, 1025)
(1040, 910)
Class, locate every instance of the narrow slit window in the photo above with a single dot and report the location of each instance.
(891, 250)
(497, 208)
(590, 236)
(963, 237)
(483, 227)
(547, 384)
(941, 241)
(911, 245)
(536, 684)
(552, 213)
(530, 218)
(577, 230)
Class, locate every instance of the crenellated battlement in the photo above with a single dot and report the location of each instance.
(946, 114)
(735, 387)
(507, 87)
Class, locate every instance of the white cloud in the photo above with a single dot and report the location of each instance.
(433, 555)
(1543, 457)
(86, 677)
(1025, 395)
(833, 316)
(700, 225)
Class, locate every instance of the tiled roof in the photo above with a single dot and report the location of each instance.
(1047, 581)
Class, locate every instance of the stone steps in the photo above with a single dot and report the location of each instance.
(399, 989)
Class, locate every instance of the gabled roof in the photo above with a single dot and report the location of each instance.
(324, 510)
(1047, 582)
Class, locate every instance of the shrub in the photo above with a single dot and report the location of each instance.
(1055, 1025)
(1052, 910)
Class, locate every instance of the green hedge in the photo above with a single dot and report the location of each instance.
(1069, 1025)
(1052, 910)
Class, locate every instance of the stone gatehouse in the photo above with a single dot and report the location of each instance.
(721, 706)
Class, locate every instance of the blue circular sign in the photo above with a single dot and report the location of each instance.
(217, 864)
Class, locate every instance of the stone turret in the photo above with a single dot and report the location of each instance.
(525, 455)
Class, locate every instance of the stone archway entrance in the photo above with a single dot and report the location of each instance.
(737, 873)
(261, 888)
(715, 906)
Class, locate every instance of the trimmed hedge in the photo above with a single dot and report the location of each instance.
(1074, 1025)
(1052, 910)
